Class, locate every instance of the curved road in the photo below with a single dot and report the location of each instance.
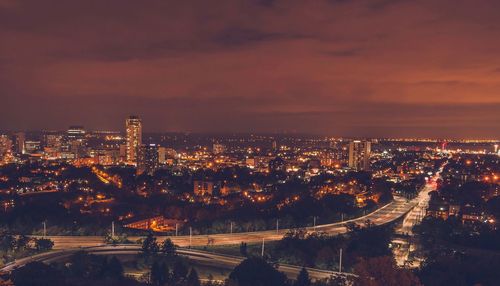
(384, 215)
(65, 246)
(201, 257)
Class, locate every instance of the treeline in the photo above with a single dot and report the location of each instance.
(318, 250)
(458, 254)
(13, 247)
(84, 269)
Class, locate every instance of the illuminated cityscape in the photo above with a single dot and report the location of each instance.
(245, 189)
(249, 143)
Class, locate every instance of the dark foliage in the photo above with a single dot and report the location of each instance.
(255, 271)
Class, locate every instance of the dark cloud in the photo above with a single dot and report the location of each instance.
(387, 67)
(239, 36)
(382, 4)
(345, 53)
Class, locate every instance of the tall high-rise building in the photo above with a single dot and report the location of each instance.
(134, 139)
(75, 133)
(148, 159)
(76, 141)
(54, 141)
(53, 146)
(20, 138)
(274, 145)
(32, 146)
(359, 155)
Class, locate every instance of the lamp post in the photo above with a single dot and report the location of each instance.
(262, 251)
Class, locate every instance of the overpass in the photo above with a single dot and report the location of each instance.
(65, 246)
(200, 257)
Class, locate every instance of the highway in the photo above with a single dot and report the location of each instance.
(384, 215)
(413, 217)
(65, 246)
(199, 257)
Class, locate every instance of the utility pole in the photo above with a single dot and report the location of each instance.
(112, 229)
(190, 236)
(314, 223)
(277, 226)
(231, 227)
(176, 229)
(340, 261)
(342, 217)
(44, 229)
(262, 252)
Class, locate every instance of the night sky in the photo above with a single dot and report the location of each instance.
(347, 68)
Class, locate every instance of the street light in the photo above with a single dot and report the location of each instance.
(190, 236)
(44, 229)
(340, 261)
(262, 251)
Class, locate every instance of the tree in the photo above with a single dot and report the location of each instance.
(370, 242)
(114, 268)
(382, 271)
(168, 247)
(256, 271)
(159, 274)
(243, 249)
(338, 280)
(43, 244)
(193, 279)
(149, 245)
(179, 271)
(6, 282)
(22, 242)
(7, 242)
(37, 273)
(303, 278)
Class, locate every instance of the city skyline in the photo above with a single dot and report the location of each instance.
(339, 68)
(249, 142)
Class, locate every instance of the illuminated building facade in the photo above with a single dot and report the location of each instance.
(219, 148)
(359, 155)
(133, 126)
(203, 187)
(166, 154)
(76, 133)
(32, 146)
(53, 146)
(76, 141)
(148, 159)
(5, 149)
(20, 138)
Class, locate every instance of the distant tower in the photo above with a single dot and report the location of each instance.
(133, 126)
(359, 155)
